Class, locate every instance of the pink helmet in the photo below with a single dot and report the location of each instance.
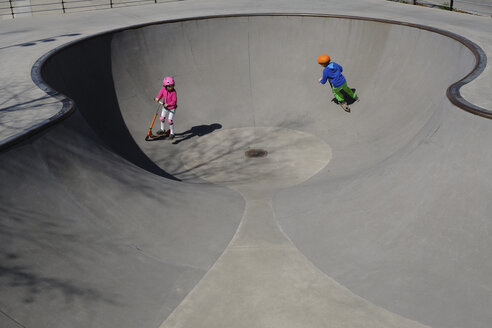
(168, 81)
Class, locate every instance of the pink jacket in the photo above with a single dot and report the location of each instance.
(169, 98)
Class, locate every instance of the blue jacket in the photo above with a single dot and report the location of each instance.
(333, 72)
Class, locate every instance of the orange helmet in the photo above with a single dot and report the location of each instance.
(323, 59)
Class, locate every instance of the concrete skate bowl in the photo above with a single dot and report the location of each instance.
(347, 187)
(235, 72)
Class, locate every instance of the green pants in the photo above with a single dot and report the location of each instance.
(338, 94)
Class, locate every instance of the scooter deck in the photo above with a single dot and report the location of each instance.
(151, 136)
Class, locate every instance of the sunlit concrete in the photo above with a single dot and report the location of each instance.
(377, 218)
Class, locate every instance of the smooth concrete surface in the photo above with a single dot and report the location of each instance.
(377, 218)
(474, 6)
(23, 41)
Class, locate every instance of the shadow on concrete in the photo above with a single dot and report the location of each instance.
(347, 98)
(44, 40)
(196, 131)
(80, 65)
(31, 284)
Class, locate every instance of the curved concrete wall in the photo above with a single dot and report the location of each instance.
(364, 219)
(262, 71)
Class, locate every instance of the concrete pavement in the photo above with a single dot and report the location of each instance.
(377, 218)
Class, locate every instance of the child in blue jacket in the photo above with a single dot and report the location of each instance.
(332, 72)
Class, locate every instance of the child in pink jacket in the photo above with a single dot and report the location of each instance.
(168, 98)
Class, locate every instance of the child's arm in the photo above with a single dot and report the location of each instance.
(324, 78)
(160, 95)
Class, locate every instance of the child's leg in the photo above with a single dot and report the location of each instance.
(170, 120)
(338, 95)
(348, 90)
(163, 118)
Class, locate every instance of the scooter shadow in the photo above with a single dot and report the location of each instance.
(347, 98)
(196, 131)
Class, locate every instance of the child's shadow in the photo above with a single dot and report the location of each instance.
(347, 98)
(199, 130)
